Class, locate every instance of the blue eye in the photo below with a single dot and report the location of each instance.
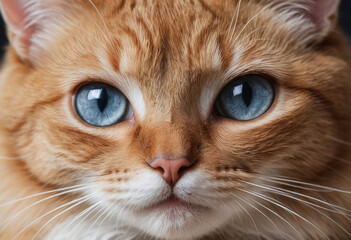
(102, 105)
(246, 98)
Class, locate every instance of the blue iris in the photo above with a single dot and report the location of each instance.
(246, 98)
(102, 105)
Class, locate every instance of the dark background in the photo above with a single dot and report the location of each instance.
(345, 22)
(345, 17)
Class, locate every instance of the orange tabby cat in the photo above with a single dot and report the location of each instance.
(175, 119)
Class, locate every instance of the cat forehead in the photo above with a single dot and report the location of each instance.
(159, 34)
(164, 40)
(168, 41)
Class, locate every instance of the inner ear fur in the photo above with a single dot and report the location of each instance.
(30, 24)
(313, 20)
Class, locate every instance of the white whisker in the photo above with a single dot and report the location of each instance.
(246, 202)
(104, 23)
(336, 158)
(281, 192)
(303, 195)
(88, 210)
(286, 209)
(43, 193)
(253, 221)
(310, 184)
(295, 186)
(252, 32)
(101, 212)
(247, 24)
(36, 203)
(84, 199)
(46, 214)
(86, 31)
(339, 140)
(118, 217)
(276, 214)
(15, 158)
(104, 219)
(236, 21)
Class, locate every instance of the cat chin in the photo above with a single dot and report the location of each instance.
(178, 222)
(174, 224)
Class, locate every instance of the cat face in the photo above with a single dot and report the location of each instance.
(134, 99)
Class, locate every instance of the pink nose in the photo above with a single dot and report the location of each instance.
(171, 168)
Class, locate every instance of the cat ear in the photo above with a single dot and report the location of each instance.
(27, 25)
(312, 19)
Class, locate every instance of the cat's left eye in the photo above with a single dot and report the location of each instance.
(245, 98)
(102, 105)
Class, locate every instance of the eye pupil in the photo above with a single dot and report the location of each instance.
(102, 100)
(247, 94)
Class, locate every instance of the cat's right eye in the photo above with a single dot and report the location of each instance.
(102, 105)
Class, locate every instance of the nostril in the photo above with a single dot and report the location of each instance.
(161, 170)
(158, 167)
(182, 169)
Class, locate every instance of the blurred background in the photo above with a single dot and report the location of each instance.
(345, 22)
(345, 17)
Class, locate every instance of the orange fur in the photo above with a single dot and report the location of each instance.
(173, 50)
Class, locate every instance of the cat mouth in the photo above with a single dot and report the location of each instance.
(173, 202)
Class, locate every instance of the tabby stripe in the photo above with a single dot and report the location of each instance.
(207, 8)
(132, 34)
(32, 110)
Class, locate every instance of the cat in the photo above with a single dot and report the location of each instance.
(175, 119)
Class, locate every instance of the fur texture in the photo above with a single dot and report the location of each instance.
(285, 175)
